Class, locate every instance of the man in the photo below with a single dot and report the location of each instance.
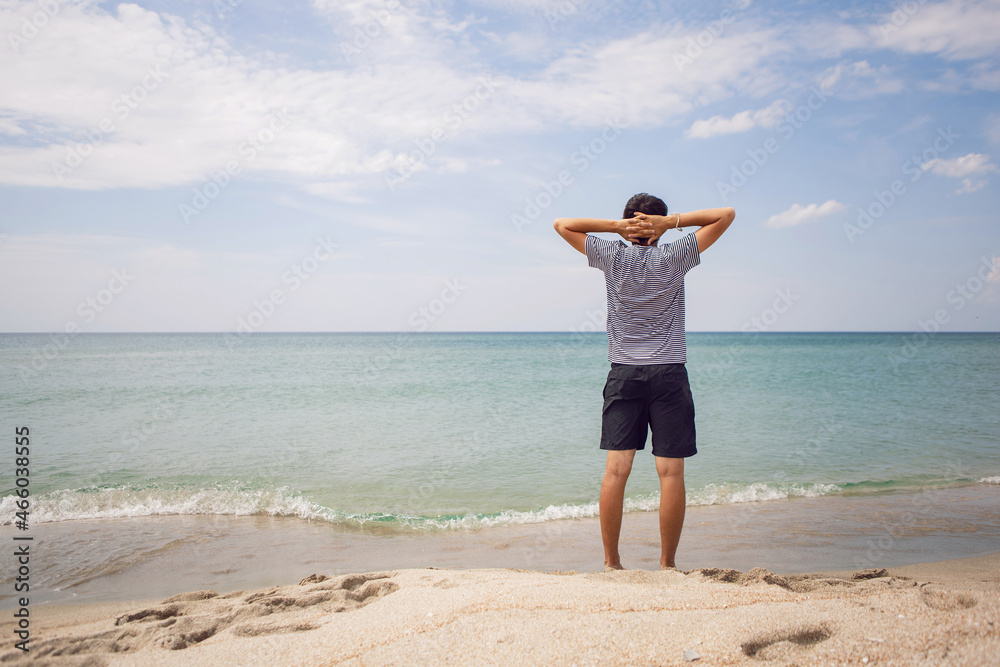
(647, 387)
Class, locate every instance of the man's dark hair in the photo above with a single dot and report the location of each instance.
(644, 203)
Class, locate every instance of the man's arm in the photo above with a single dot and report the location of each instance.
(712, 221)
(574, 230)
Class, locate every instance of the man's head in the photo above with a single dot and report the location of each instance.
(644, 203)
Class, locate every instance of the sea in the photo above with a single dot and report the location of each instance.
(157, 460)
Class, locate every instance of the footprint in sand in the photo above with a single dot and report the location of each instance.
(804, 583)
(258, 630)
(942, 599)
(785, 644)
(757, 575)
(190, 618)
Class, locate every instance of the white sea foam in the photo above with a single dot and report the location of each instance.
(989, 480)
(508, 517)
(726, 494)
(238, 500)
(118, 502)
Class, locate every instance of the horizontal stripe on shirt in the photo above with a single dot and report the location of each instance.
(645, 287)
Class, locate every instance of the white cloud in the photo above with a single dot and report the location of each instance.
(955, 29)
(798, 214)
(973, 163)
(343, 121)
(585, 86)
(342, 191)
(358, 117)
(859, 80)
(829, 39)
(10, 126)
(741, 122)
(970, 185)
(564, 7)
(209, 100)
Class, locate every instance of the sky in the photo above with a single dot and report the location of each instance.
(396, 165)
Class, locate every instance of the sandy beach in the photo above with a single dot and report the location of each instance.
(935, 613)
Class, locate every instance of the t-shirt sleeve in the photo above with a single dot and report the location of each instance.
(685, 253)
(600, 252)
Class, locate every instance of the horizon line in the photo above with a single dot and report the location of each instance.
(433, 333)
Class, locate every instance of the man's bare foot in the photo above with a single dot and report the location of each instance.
(610, 568)
(668, 567)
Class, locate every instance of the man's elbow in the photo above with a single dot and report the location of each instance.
(559, 224)
(730, 214)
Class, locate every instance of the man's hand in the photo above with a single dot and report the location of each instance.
(712, 221)
(646, 229)
(635, 230)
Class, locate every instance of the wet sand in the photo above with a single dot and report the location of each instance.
(156, 557)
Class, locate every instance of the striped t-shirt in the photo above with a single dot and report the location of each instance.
(645, 298)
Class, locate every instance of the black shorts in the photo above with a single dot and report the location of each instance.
(656, 396)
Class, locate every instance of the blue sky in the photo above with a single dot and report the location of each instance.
(374, 165)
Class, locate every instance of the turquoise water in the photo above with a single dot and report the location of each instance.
(450, 430)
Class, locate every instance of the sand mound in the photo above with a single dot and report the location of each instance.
(405, 617)
(190, 618)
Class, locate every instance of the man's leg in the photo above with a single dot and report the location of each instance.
(616, 473)
(671, 472)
